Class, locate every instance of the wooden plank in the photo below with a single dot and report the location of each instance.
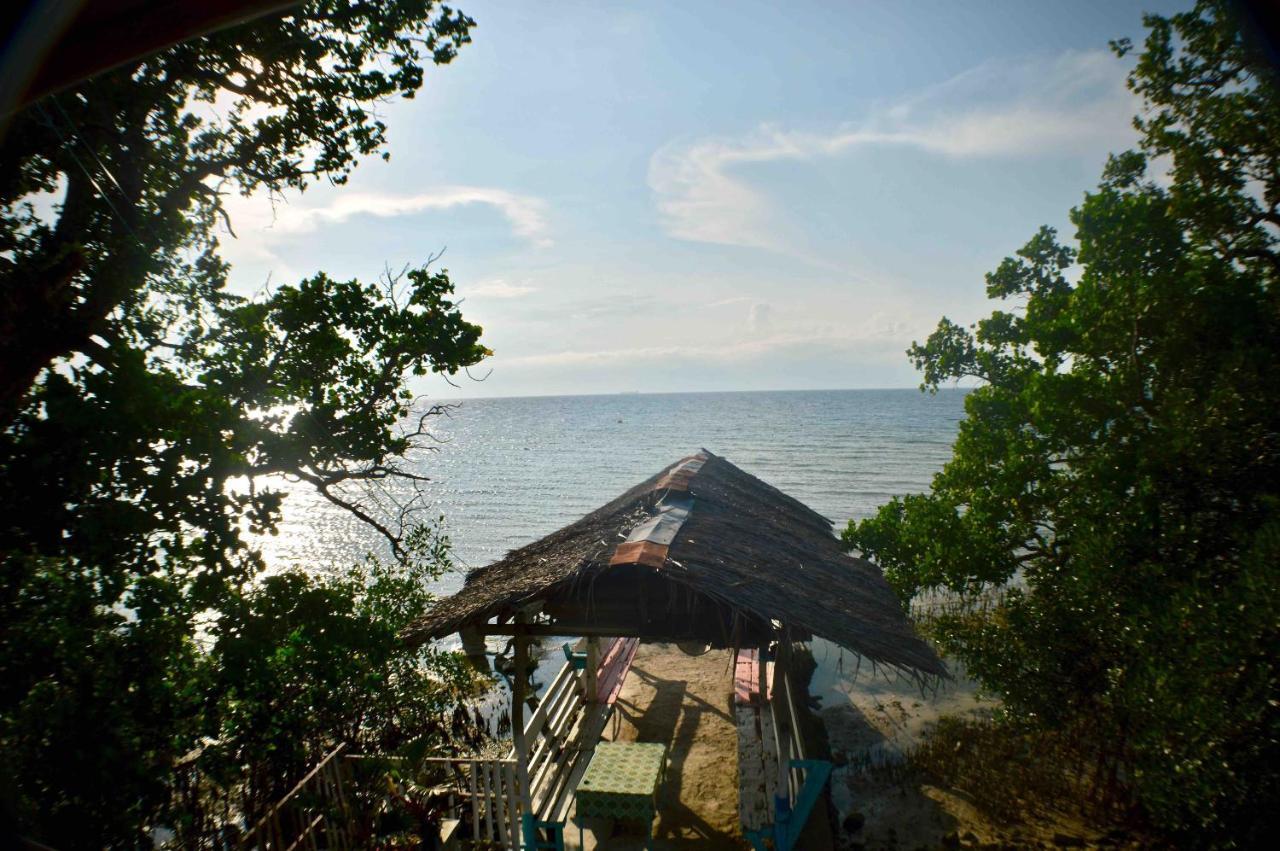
(590, 674)
(567, 694)
(519, 688)
(631, 657)
(562, 731)
(270, 821)
(588, 734)
(797, 738)
(556, 748)
(336, 774)
(306, 834)
(752, 803)
(610, 654)
(498, 803)
(574, 737)
(475, 802)
(559, 702)
(746, 673)
(615, 668)
(782, 722)
(668, 631)
(563, 678)
(513, 795)
(546, 779)
(486, 787)
(768, 735)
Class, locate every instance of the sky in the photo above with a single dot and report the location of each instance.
(691, 196)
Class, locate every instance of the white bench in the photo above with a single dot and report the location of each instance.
(563, 731)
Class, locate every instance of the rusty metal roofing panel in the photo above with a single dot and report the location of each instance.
(648, 542)
(679, 476)
(640, 552)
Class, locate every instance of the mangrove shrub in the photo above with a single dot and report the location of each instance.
(1115, 485)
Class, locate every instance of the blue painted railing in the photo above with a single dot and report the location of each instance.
(789, 820)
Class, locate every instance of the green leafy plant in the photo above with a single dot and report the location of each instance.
(1116, 480)
(302, 662)
(149, 416)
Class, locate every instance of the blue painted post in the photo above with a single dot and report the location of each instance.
(578, 660)
(529, 828)
(782, 822)
(816, 774)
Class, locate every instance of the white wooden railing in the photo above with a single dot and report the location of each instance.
(484, 793)
(770, 740)
(561, 734)
(315, 814)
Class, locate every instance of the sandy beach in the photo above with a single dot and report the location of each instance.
(871, 723)
(682, 701)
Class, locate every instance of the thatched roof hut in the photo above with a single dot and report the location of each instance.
(700, 552)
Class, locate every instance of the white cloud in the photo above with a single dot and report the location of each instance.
(1075, 103)
(725, 302)
(525, 214)
(744, 350)
(262, 226)
(879, 335)
(498, 288)
(759, 318)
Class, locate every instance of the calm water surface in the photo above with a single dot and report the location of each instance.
(509, 471)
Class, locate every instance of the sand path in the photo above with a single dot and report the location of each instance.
(683, 702)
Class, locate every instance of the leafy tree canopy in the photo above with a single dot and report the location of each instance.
(145, 409)
(1115, 484)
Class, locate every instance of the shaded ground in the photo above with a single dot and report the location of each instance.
(682, 701)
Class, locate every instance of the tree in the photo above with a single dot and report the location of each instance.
(303, 661)
(143, 152)
(145, 409)
(1116, 481)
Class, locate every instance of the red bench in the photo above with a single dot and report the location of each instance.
(614, 667)
(746, 677)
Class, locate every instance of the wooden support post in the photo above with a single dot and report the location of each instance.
(763, 688)
(473, 645)
(782, 786)
(519, 687)
(593, 666)
(782, 719)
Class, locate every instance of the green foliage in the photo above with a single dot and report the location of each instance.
(1010, 773)
(301, 662)
(94, 705)
(149, 417)
(1115, 480)
(144, 153)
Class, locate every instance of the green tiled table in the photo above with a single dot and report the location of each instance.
(622, 783)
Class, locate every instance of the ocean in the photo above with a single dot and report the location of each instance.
(509, 471)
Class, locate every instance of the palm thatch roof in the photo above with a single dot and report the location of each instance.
(702, 550)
